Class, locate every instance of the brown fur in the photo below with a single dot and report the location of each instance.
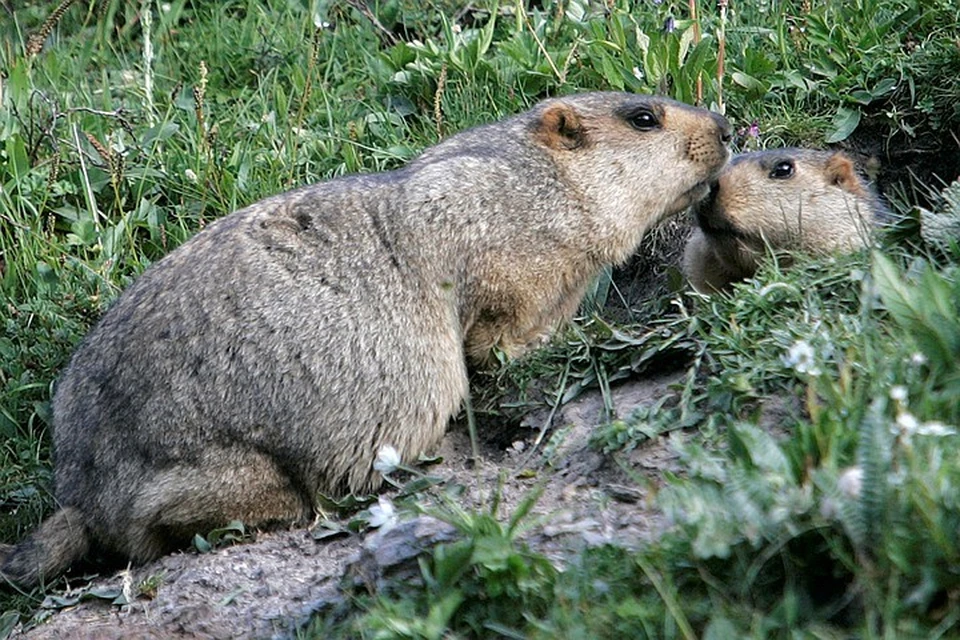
(274, 354)
(785, 199)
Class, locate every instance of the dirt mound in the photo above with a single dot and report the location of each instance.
(268, 588)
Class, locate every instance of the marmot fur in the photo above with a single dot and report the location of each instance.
(784, 199)
(270, 357)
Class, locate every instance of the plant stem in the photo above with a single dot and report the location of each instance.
(696, 41)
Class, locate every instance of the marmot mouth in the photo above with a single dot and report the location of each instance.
(712, 221)
(698, 192)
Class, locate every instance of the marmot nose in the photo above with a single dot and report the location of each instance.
(726, 132)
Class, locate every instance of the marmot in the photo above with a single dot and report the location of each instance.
(784, 199)
(271, 356)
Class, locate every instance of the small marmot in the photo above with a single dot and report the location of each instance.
(270, 357)
(784, 199)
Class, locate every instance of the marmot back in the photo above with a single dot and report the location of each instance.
(784, 199)
(273, 355)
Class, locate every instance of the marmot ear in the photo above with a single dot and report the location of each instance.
(560, 127)
(842, 172)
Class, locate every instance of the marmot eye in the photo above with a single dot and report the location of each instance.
(643, 120)
(782, 170)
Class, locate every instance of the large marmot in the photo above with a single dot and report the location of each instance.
(783, 199)
(274, 354)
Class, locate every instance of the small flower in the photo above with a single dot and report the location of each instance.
(850, 482)
(754, 130)
(908, 426)
(637, 73)
(388, 459)
(829, 508)
(898, 393)
(600, 587)
(382, 515)
(801, 358)
(669, 25)
(907, 423)
(190, 175)
(918, 359)
(936, 429)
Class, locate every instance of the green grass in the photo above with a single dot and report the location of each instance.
(110, 157)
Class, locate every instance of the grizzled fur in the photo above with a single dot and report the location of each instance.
(274, 354)
(782, 200)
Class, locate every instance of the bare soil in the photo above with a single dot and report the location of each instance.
(268, 588)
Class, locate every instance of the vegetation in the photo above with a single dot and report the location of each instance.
(126, 126)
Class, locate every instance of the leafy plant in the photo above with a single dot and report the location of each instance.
(927, 308)
(486, 582)
(231, 533)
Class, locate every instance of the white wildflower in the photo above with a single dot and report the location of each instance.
(802, 358)
(918, 359)
(382, 515)
(907, 423)
(600, 587)
(830, 509)
(936, 429)
(909, 426)
(898, 393)
(190, 175)
(388, 459)
(850, 482)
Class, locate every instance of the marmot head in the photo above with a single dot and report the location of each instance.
(790, 199)
(785, 199)
(632, 159)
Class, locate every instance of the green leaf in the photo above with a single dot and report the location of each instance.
(844, 123)
(883, 87)
(8, 621)
(926, 311)
(328, 530)
(46, 273)
(721, 628)
(441, 611)
(159, 133)
(492, 552)
(610, 72)
(200, 544)
(686, 41)
(451, 561)
(893, 292)
(17, 159)
(419, 484)
(486, 34)
(748, 82)
(873, 458)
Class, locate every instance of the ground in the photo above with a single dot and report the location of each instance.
(269, 587)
